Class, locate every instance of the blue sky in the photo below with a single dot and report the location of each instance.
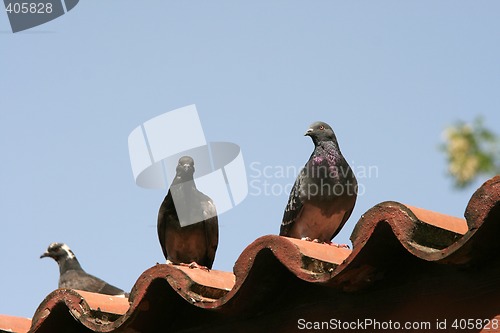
(388, 76)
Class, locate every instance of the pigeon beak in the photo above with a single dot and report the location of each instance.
(188, 168)
(308, 132)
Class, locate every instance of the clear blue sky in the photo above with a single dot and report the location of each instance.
(387, 75)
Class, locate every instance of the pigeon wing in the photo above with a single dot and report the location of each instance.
(109, 289)
(348, 201)
(166, 215)
(293, 207)
(79, 279)
(211, 225)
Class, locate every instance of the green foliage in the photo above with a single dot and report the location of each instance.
(472, 150)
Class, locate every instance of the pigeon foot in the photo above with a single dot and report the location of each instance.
(316, 240)
(195, 265)
(340, 246)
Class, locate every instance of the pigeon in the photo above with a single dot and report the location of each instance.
(72, 276)
(188, 227)
(324, 193)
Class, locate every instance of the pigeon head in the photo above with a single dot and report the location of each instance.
(185, 167)
(320, 131)
(58, 252)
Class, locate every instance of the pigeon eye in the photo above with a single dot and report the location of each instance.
(321, 127)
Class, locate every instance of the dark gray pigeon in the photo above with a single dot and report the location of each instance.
(72, 276)
(188, 227)
(324, 193)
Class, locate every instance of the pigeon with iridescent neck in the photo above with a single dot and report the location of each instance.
(324, 193)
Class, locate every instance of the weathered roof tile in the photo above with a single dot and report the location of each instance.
(405, 262)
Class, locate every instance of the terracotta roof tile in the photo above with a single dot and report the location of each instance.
(451, 223)
(14, 324)
(407, 263)
(105, 303)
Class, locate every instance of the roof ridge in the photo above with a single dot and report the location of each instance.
(378, 238)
